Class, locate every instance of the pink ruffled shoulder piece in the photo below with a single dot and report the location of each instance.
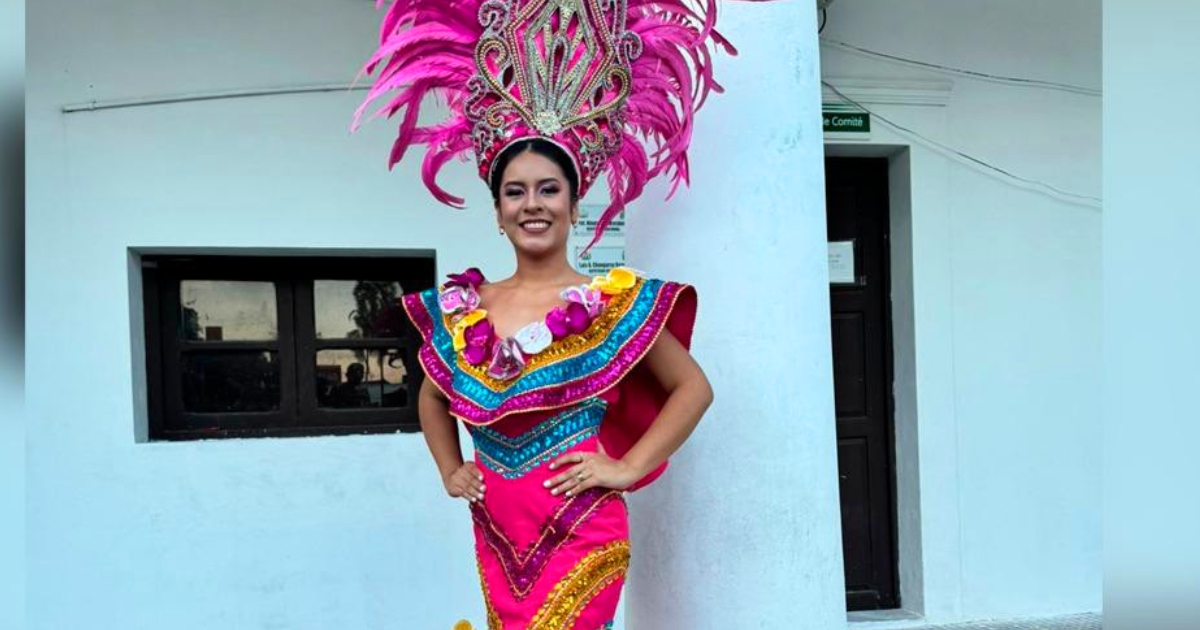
(640, 397)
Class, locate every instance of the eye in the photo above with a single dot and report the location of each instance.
(513, 192)
(550, 190)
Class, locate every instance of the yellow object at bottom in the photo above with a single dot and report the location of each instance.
(464, 625)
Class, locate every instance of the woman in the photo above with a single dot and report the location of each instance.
(574, 389)
(552, 537)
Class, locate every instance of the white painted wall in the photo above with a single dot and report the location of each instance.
(347, 532)
(743, 531)
(329, 532)
(997, 298)
(335, 532)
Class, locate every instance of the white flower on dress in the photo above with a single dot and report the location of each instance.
(534, 338)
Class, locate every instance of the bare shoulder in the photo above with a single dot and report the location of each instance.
(487, 289)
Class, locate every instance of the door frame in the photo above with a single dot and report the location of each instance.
(929, 549)
(889, 378)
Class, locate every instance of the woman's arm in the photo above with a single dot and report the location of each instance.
(462, 479)
(689, 395)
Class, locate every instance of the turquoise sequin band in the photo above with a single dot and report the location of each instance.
(558, 373)
(514, 456)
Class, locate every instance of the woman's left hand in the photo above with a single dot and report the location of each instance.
(589, 470)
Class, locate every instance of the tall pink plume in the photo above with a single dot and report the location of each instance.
(671, 80)
(426, 47)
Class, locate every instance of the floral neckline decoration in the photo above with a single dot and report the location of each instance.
(476, 340)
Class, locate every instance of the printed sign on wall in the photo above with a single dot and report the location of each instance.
(589, 215)
(598, 260)
(609, 252)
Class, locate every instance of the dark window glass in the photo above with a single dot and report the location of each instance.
(361, 378)
(230, 381)
(356, 309)
(268, 346)
(215, 310)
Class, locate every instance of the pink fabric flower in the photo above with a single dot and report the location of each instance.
(589, 297)
(507, 361)
(479, 342)
(578, 319)
(458, 299)
(556, 321)
(472, 278)
(570, 320)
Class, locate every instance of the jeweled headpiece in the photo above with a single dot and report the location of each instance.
(595, 77)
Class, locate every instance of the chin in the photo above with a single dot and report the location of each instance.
(540, 246)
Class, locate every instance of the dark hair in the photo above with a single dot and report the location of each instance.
(542, 147)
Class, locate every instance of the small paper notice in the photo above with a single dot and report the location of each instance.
(841, 262)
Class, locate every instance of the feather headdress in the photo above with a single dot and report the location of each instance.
(596, 77)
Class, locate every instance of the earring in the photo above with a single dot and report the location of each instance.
(502, 230)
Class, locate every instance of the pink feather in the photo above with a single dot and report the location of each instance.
(426, 48)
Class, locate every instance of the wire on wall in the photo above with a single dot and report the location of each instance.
(91, 106)
(1067, 195)
(1021, 81)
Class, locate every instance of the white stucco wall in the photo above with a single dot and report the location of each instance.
(745, 532)
(335, 532)
(351, 532)
(996, 292)
(329, 532)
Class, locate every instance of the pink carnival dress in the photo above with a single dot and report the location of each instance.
(545, 561)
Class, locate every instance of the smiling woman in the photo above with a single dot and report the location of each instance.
(574, 389)
(551, 369)
(535, 191)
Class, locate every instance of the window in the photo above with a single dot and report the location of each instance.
(249, 346)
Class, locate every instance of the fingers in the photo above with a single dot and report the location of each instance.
(573, 481)
(570, 458)
(581, 483)
(466, 482)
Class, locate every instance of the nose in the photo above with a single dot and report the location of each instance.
(532, 204)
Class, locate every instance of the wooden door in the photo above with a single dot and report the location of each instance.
(857, 213)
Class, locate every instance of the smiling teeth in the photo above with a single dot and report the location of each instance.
(535, 224)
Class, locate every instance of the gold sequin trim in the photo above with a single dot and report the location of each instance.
(524, 559)
(561, 349)
(493, 619)
(575, 591)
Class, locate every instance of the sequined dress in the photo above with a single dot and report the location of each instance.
(554, 562)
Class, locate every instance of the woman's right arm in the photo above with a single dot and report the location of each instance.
(462, 479)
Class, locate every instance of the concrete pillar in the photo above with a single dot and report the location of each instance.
(743, 530)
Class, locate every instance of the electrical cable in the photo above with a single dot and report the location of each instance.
(1087, 199)
(1035, 83)
(91, 106)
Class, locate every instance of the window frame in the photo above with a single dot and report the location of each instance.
(293, 278)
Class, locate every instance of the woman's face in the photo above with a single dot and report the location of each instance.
(535, 208)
